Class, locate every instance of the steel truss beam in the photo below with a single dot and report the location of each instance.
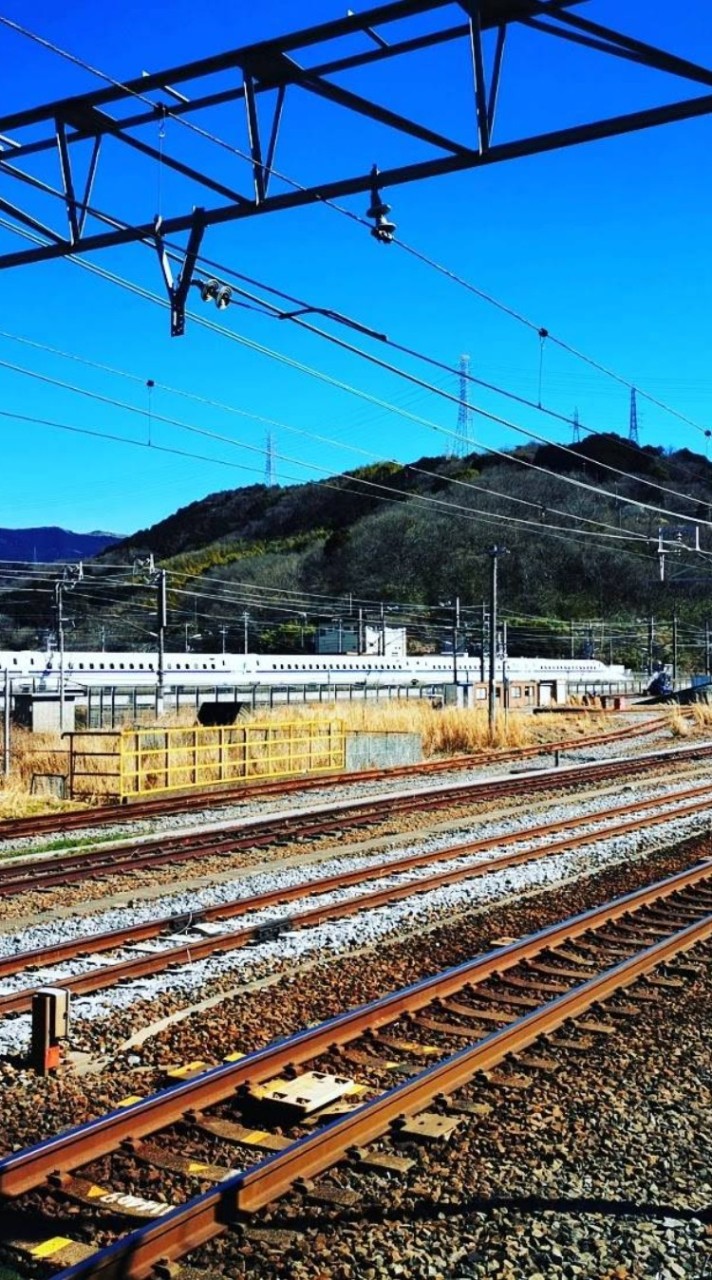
(265, 72)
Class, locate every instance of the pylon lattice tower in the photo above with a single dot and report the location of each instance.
(463, 442)
(633, 421)
(577, 428)
(270, 468)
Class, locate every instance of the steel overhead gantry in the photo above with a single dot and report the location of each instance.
(66, 217)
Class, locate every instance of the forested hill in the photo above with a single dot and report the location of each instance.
(419, 532)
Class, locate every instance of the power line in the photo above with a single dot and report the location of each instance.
(311, 435)
(162, 111)
(140, 291)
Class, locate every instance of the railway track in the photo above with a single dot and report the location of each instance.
(607, 824)
(499, 1004)
(135, 810)
(30, 875)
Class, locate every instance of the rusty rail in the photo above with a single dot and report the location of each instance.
(25, 876)
(56, 823)
(22, 1171)
(185, 1228)
(189, 952)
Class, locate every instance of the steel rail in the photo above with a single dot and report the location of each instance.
(190, 1225)
(114, 938)
(17, 828)
(24, 1170)
(192, 952)
(29, 875)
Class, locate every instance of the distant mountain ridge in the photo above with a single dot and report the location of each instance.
(48, 543)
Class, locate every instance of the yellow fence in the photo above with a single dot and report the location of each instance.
(139, 762)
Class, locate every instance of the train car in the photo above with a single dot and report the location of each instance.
(94, 669)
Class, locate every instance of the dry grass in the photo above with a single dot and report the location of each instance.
(33, 755)
(702, 714)
(679, 724)
(445, 731)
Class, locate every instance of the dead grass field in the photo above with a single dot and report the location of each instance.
(450, 730)
(446, 731)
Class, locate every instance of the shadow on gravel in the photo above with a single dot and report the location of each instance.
(425, 1209)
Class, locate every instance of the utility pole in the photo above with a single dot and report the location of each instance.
(674, 644)
(6, 724)
(161, 623)
(455, 634)
(360, 631)
(383, 630)
(707, 647)
(482, 642)
(223, 633)
(651, 642)
(505, 678)
(70, 577)
(58, 588)
(494, 553)
(246, 624)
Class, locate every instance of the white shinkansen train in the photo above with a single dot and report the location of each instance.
(86, 669)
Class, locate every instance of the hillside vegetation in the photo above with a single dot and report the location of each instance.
(354, 534)
(420, 532)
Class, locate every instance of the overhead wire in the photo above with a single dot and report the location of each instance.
(539, 528)
(123, 87)
(281, 425)
(347, 479)
(163, 110)
(321, 375)
(542, 332)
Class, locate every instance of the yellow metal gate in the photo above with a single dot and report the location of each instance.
(154, 760)
(129, 763)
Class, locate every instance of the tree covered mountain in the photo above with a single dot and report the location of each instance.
(581, 525)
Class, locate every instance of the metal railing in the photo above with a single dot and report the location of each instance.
(130, 763)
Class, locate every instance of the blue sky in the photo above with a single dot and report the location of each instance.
(606, 245)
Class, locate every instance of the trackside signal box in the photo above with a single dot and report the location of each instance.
(50, 1025)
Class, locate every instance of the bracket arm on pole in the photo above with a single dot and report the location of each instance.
(178, 291)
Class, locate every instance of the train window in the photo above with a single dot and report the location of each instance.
(527, 691)
(480, 693)
(91, 666)
(131, 666)
(515, 691)
(14, 662)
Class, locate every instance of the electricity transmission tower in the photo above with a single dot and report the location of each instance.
(633, 421)
(270, 468)
(463, 442)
